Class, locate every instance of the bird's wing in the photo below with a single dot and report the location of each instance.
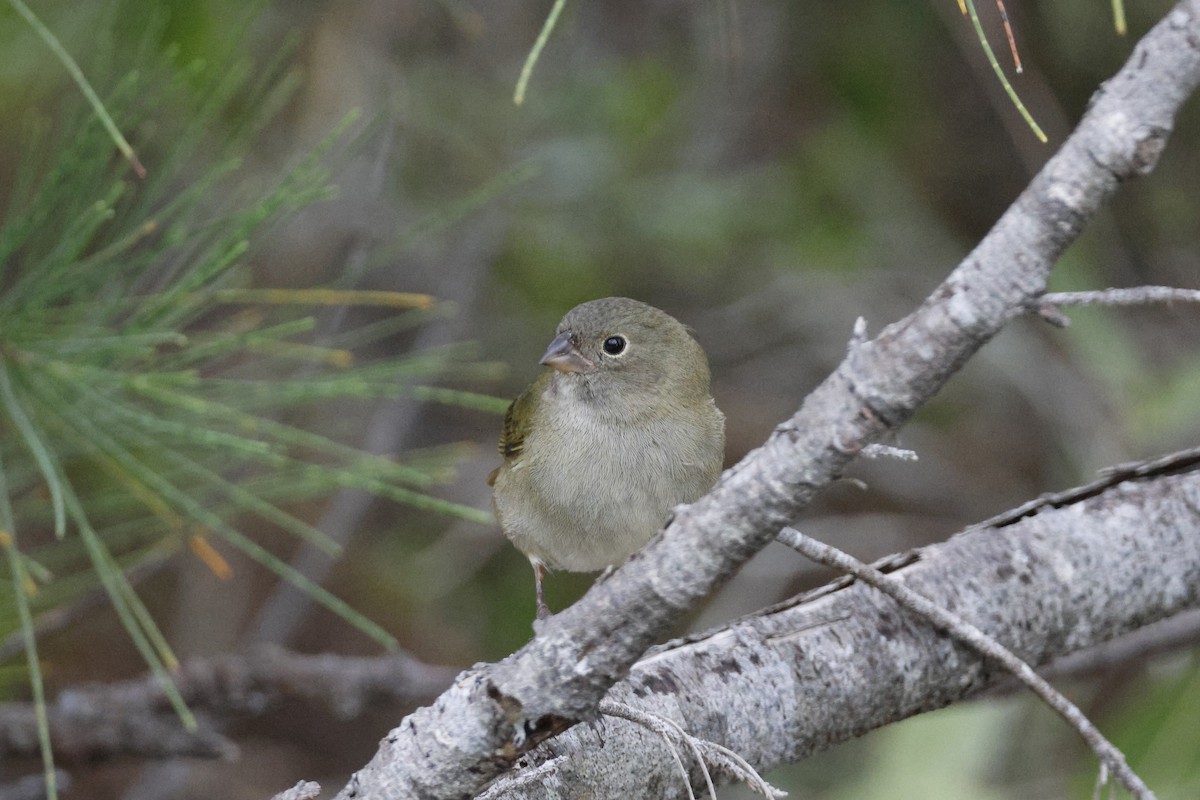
(516, 426)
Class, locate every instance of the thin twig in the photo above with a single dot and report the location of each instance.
(670, 733)
(703, 750)
(1132, 296)
(1169, 635)
(979, 641)
(523, 777)
(888, 451)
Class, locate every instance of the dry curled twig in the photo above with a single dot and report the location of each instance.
(705, 753)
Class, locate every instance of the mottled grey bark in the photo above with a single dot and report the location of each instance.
(496, 713)
(780, 685)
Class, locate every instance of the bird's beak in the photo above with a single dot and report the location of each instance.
(564, 356)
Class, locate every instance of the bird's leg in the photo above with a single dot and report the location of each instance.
(543, 610)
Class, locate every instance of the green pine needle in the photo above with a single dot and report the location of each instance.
(536, 52)
(20, 587)
(82, 82)
(145, 387)
(137, 623)
(995, 63)
(36, 448)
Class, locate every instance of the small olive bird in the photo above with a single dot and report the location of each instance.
(616, 432)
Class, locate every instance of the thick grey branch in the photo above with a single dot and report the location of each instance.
(815, 671)
(979, 641)
(496, 713)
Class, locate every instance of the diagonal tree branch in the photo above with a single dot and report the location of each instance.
(819, 669)
(495, 713)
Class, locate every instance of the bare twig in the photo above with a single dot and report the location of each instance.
(670, 732)
(888, 451)
(516, 780)
(1131, 296)
(979, 641)
(1008, 33)
(1180, 461)
(703, 751)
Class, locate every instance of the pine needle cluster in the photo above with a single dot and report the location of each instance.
(146, 387)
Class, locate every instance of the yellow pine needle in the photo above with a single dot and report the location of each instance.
(329, 356)
(1118, 7)
(962, 6)
(326, 297)
(212, 559)
(245, 321)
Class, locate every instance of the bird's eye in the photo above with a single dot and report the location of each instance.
(614, 345)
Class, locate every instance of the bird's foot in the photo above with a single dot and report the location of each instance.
(543, 613)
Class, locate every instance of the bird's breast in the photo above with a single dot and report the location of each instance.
(603, 486)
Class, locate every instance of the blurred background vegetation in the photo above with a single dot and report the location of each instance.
(767, 172)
